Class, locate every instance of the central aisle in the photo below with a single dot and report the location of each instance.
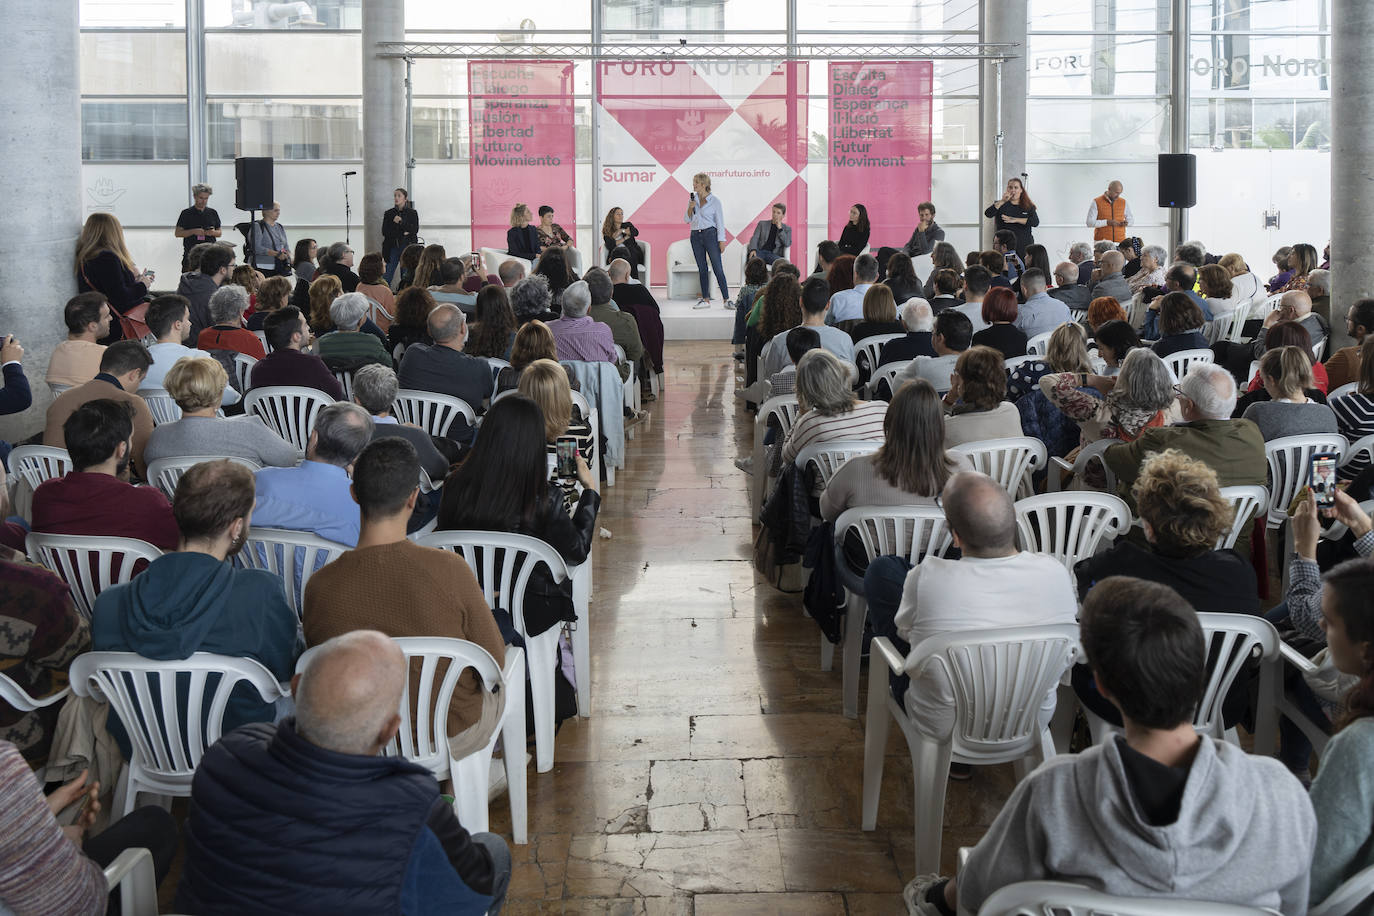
(716, 774)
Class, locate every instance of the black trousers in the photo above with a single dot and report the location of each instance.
(149, 827)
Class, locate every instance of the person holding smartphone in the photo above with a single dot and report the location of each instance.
(475, 275)
(707, 219)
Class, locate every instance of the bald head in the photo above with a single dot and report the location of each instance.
(1066, 274)
(619, 269)
(349, 695)
(1298, 301)
(1113, 262)
(1114, 190)
(981, 513)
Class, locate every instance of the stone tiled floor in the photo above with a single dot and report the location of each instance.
(717, 773)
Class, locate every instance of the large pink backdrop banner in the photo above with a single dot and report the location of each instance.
(879, 146)
(523, 144)
(741, 122)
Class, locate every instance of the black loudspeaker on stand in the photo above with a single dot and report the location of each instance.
(1177, 180)
(254, 177)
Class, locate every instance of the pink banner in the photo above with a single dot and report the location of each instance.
(523, 144)
(741, 122)
(879, 153)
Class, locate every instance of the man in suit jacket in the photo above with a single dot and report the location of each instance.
(772, 237)
(1111, 282)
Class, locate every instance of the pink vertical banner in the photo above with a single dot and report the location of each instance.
(522, 144)
(880, 146)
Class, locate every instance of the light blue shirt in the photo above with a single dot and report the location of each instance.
(776, 357)
(165, 356)
(847, 304)
(708, 214)
(312, 497)
(1041, 314)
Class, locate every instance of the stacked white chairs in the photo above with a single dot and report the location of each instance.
(1290, 460)
(89, 564)
(887, 374)
(909, 532)
(1179, 362)
(783, 410)
(1070, 526)
(1249, 503)
(829, 457)
(431, 411)
(1012, 461)
(503, 563)
(161, 405)
(37, 463)
(133, 873)
(290, 410)
(1039, 345)
(168, 738)
(243, 368)
(292, 556)
(1032, 898)
(165, 473)
(999, 678)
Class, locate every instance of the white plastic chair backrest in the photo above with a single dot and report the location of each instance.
(1232, 640)
(581, 403)
(1038, 345)
(262, 337)
(504, 394)
(432, 412)
(423, 736)
(1179, 362)
(1319, 349)
(1290, 460)
(1364, 446)
(89, 564)
(872, 347)
(784, 409)
(1011, 461)
(167, 738)
(828, 457)
(132, 872)
(37, 463)
(285, 553)
(161, 405)
(1000, 677)
(886, 373)
(620, 356)
(243, 366)
(502, 563)
(1347, 388)
(165, 473)
(1248, 502)
(1070, 526)
(1034, 898)
(345, 379)
(1238, 319)
(18, 697)
(288, 409)
(497, 364)
(1345, 899)
(909, 532)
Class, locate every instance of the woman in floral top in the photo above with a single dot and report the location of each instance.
(1133, 401)
(1151, 271)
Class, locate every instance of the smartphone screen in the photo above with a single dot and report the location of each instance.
(1323, 480)
(566, 450)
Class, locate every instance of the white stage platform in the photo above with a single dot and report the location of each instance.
(682, 322)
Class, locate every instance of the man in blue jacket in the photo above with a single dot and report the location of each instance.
(305, 817)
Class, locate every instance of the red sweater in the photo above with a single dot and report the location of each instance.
(99, 504)
(240, 340)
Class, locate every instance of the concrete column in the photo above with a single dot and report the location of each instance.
(1004, 111)
(1352, 159)
(384, 121)
(41, 186)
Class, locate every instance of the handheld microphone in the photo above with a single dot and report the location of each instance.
(351, 173)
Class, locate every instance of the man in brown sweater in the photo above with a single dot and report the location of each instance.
(123, 367)
(402, 589)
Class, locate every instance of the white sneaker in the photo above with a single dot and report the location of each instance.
(730, 304)
(702, 303)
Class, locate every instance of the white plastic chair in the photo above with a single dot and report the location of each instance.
(167, 741)
(887, 373)
(133, 873)
(1362, 447)
(1347, 388)
(288, 409)
(1000, 677)
(37, 463)
(871, 348)
(1179, 362)
(1290, 461)
(243, 367)
(431, 411)
(683, 281)
(630, 395)
(161, 405)
(1070, 526)
(1347, 898)
(1012, 461)
(1319, 349)
(89, 564)
(424, 739)
(345, 379)
(1038, 345)
(19, 698)
(1032, 898)
(1086, 455)
(503, 563)
(829, 457)
(909, 532)
(785, 410)
(262, 338)
(1249, 502)
(165, 473)
(292, 556)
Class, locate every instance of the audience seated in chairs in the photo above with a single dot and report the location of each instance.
(371, 829)
(1355, 411)
(313, 495)
(918, 322)
(1120, 406)
(196, 384)
(999, 314)
(374, 390)
(880, 316)
(76, 360)
(553, 266)
(492, 330)
(778, 310)
(1102, 310)
(1287, 375)
(815, 298)
(1067, 352)
(946, 284)
(444, 368)
(411, 325)
(1040, 313)
(372, 284)
(452, 274)
(637, 300)
(273, 294)
(348, 346)
(1066, 287)
(337, 261)
(1160, 787)
(580, 337)
(95, 497)
(169, 320)
(504, 486)
(991, 584)
(531, 300)
(1110, 280)
(1295, 305)
(510, 272)
(193, 601)
(403, 589)
(533, 341)
(1114, 339)
(1343, 366)
(975, 402)
(953, 335)
(227, 306)
(1179, 279)
(288, 365)
(123, 367)
(1286, 334)
(624, 328)
(827, 408)
(1180, 325)
(546, 383)
(847, 304)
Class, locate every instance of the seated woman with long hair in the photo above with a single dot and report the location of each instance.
(197, 383)
(553, 266)
(1114, 339)
(976, 399)
(902, 279)
(1286, 334)
(428, 269)
(546, 382)
(534, 341)
(779, 311)
(411, 325)
(1287, 375)
(492, 332)
(103, 264)
(841, 276)
(1067, 352)
(504, 486)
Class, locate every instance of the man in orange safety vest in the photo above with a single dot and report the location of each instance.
(1109, 215)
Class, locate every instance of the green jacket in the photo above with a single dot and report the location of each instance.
(1232, 448)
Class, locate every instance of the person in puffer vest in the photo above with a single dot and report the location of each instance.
(304, 817)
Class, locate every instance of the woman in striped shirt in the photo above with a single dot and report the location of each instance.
(828, 409)
(1355, 411)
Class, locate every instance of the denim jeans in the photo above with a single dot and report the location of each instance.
(883, 584)
(391, 264)
(741, 323)
(706, 244)
(766, 257)
(500, 867)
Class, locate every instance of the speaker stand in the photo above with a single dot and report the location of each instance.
(348, 210)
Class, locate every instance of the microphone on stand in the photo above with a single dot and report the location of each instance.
(351, 173)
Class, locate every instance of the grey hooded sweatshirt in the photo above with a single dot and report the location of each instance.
(1244, 834)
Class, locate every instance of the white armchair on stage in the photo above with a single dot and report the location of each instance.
(684, 280)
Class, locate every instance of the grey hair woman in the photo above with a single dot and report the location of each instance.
(1138, 397)
(829, 409)
(531, 299)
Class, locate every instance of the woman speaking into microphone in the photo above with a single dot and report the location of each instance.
(708, 234)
